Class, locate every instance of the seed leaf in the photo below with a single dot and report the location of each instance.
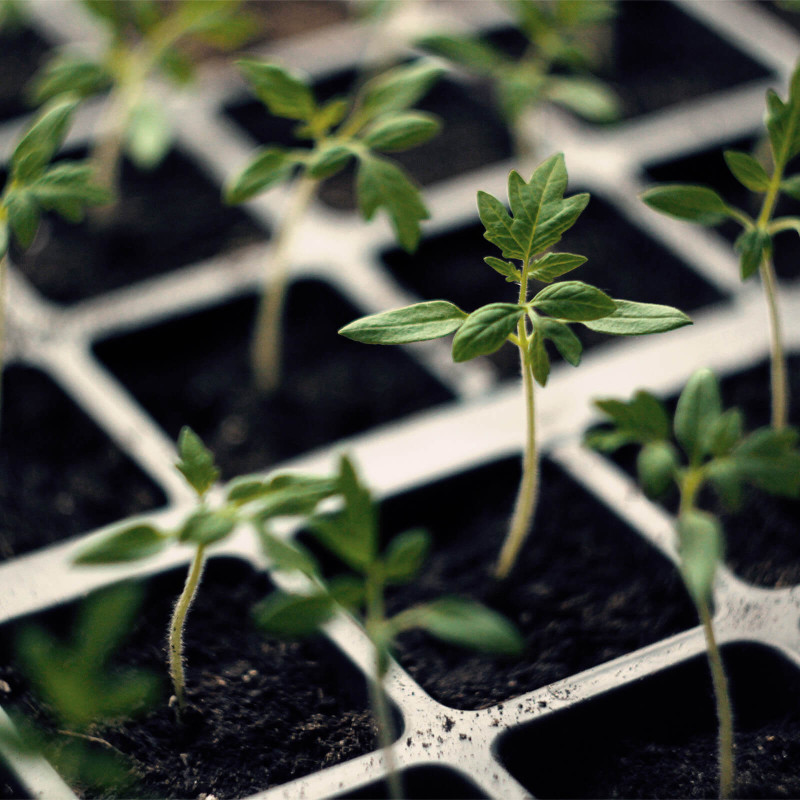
(271, 165)
(401, 131)
(694, 203)
(416, 323)
(724, 433)
(205, 526)
(574, 300)
(637, 319)
(196, 461)
(282, 92)
(382, 184)
(485, 330)
(747, 170)
(700, 541)
(405, 555)
(727, 480)
(129, 544)
(753, 246)
(294, 500)
(293, 615)
(655, 466)
(551, 265)
(699, 408)
(566, 342)
(505, 268)
(399, 88)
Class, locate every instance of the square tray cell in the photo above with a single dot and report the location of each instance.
(586, 588)
(708, 168)
(195, 371)
(164, 219)
(657, 737)
(261, 711)
(21, 52)
(422, 783)
(59, 474)
(623, 261)
(472, 134)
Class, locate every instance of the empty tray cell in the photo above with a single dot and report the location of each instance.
(422, 783)
(261, 711)
(623, 261)
(195, 371)
(170, 217)
(59, 474)
(21, 53)
(657, 737)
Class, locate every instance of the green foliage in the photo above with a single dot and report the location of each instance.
(378, 119)
(196, 462)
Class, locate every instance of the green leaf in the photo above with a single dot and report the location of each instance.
(791, 186)
(66, 188)
(4, 238)
(398, 88)
(655, 466)
(401, 131)
(290, 615)
(588, 97)
(538, 358)
(497, 222)
(573, 300)
(753, 246)
(325, 117)
(478, 56)
(747, 171)
(607, 441)
(68, 73)
(726, 479)
(129, 544)
(468, 624)
(566, 342)
(643, 419)
(147, 135)
(701, 546)
(271, 165)
(382, 184)
(417, 323)
(505, 268)
(485, 330)
(42, 140)
(205, 526)
(287, 556)
(551, 265)
(769, 460)
(724, 433)
(282, 92)
(23, 216)
(405, 556)
(783, 122)
(328, 160)
(196, 461)
(637, 319)
(699, 408)
(295, 500)
(693, 203)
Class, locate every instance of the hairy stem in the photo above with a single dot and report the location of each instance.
(723, 701)
(778, 380)
(267, 343)
(177, 624)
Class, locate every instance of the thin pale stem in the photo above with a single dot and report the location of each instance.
(778, 380)
(176, 628)
(267, 344)
(3, 303)
(723, 701)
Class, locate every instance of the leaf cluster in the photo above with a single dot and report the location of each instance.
(379, 119)
(554, 67)
(34, 185)
(540, 215)
(704, 206)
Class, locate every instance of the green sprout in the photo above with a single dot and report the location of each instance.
(554, 67)
(704, 206)
(716, 453)
(379, 118)
(352, 535)
(143, 39)
(34, 185)
(540, 216)
(247, 501)
(80, 690)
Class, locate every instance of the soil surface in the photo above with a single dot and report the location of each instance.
(21, 51)
(59, 474)
(586, 588)
(656, 737)
(164, 219)
(263, 711)
(195, 371)
(623, 262)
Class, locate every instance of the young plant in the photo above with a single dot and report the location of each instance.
(716, 453)
(247, 500)
(143, 40)
(79, 690)
(34, 185)
(352, 535)
(379, 118)
(540, 215)
(704, 206)
(554, 67)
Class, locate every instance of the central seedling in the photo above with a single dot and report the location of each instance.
(540, 215)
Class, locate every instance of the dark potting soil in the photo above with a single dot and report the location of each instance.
(586, 588)
(708, 168)
(262, 711)
(657, 736)
(59, 474)
(21, 51)
(164, 219)
(195, 371)
(472, 134)
(422, 783)
(10, 789)
(623, 262)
